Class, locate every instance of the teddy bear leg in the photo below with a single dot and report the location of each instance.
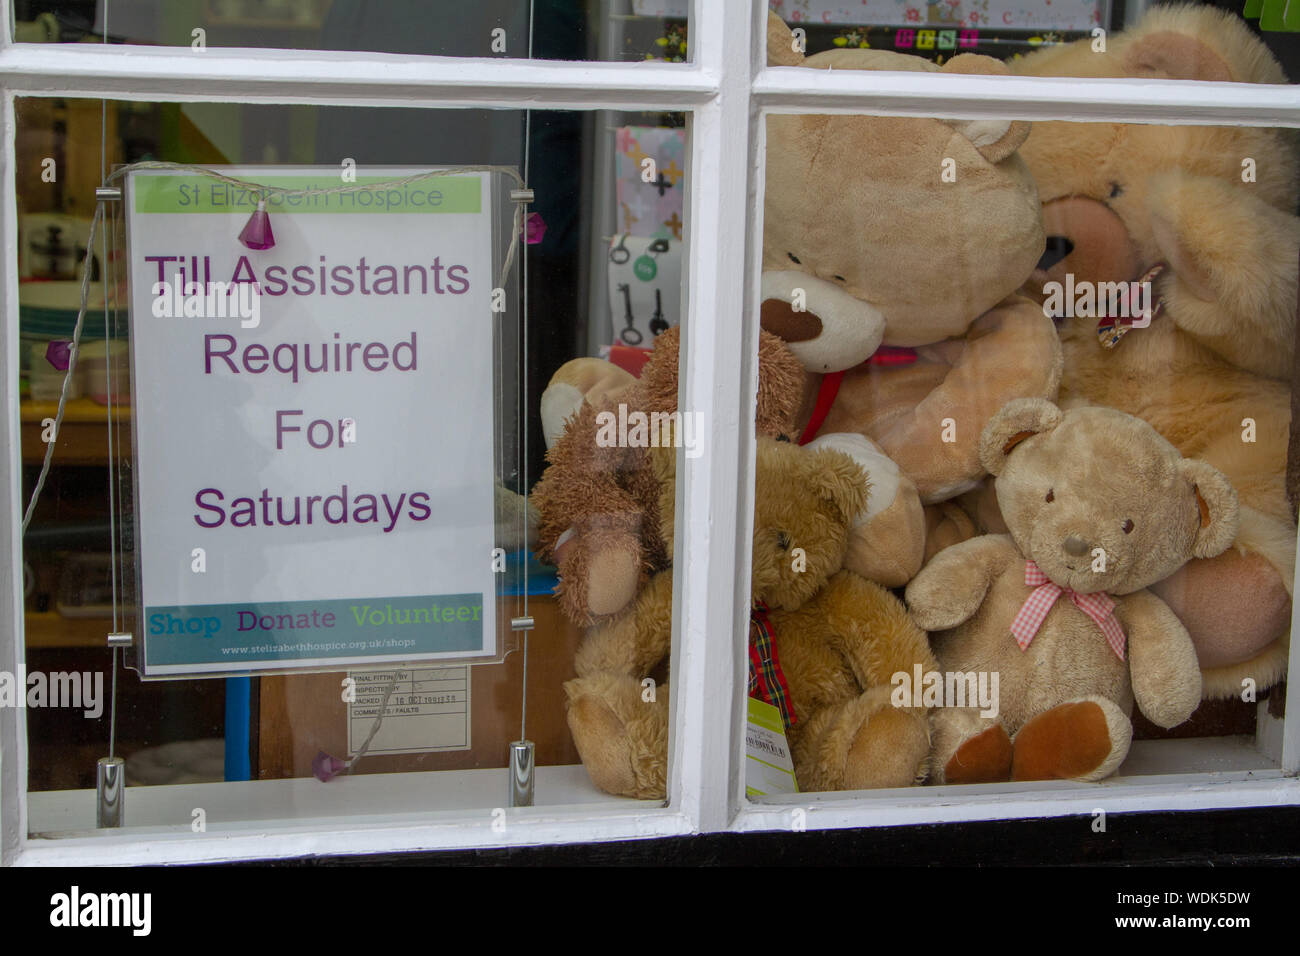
(863, 744)
(1257, 674)
(887, 540)
(969, 748)
(1084, 739)
(889, 546)
(1237, 606)
(600, 572)
(1234, 606)
(621, 738)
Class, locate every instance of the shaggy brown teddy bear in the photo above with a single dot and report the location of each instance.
(1099, 508)
(838, 639)
(1205, 215)
(599, 502)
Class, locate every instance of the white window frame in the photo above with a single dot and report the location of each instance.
(725, 90)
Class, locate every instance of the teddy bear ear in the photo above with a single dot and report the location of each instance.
(1216, 502)
(995, 139)
(1168, 55)
(782, 50)
(1018, 419)
(837, 478)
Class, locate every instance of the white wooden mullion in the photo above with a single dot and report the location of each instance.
(1290, 755)
(715, 489)
(168, 74)
(1177, 102)
(13, 723)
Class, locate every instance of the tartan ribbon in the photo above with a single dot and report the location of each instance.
(1110, 329)
(1097, 606)
(766, 679)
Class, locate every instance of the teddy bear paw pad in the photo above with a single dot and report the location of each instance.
(1070, 741)
(984, 758)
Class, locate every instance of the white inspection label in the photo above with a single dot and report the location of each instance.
(428, 710)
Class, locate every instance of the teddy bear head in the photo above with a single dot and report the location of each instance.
(805, 504)
(1107, 188)
(889, 230)
(1099, 500)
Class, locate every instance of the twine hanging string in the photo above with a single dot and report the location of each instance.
(264, 191)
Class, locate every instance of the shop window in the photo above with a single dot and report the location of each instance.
(844, 453)
(98, 524)
(611, 30)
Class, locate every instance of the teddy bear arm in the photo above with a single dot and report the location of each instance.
(1232, 259)
(1162, 660)
(872, 630)
(1012, 352)
(635, 641)
(953, 585)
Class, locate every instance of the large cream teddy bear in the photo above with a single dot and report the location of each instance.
(910, 234)
(1059, 611)
(1206, 216)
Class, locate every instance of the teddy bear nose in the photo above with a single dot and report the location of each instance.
(779, 318)
(1076, 546)
(1058, 247)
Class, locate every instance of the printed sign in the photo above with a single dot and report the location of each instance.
(313, 421)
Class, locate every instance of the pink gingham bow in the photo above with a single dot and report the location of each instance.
(1097, 606)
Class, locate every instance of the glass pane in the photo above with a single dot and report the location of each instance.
(147, 418)
(1220, 40)
(610, 30)
(1039, 488)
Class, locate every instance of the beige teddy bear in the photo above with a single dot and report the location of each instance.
(1057, 614)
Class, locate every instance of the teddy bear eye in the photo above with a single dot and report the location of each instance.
(783, 540)
(1127, 526)
(794, 258)
(840, 278)
(1051, 495)
(1116, 190)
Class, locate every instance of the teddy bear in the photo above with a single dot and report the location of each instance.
(1187, 241)
(834, 641)
(904, 240)
(1060, 611)
(598, 501)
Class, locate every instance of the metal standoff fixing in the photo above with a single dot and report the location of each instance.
(120, 639)
(110, 789)
(107, 194)
(521, 195)
(521, 623)
(521, 773)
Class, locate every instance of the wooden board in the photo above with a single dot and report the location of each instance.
(302, 714)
